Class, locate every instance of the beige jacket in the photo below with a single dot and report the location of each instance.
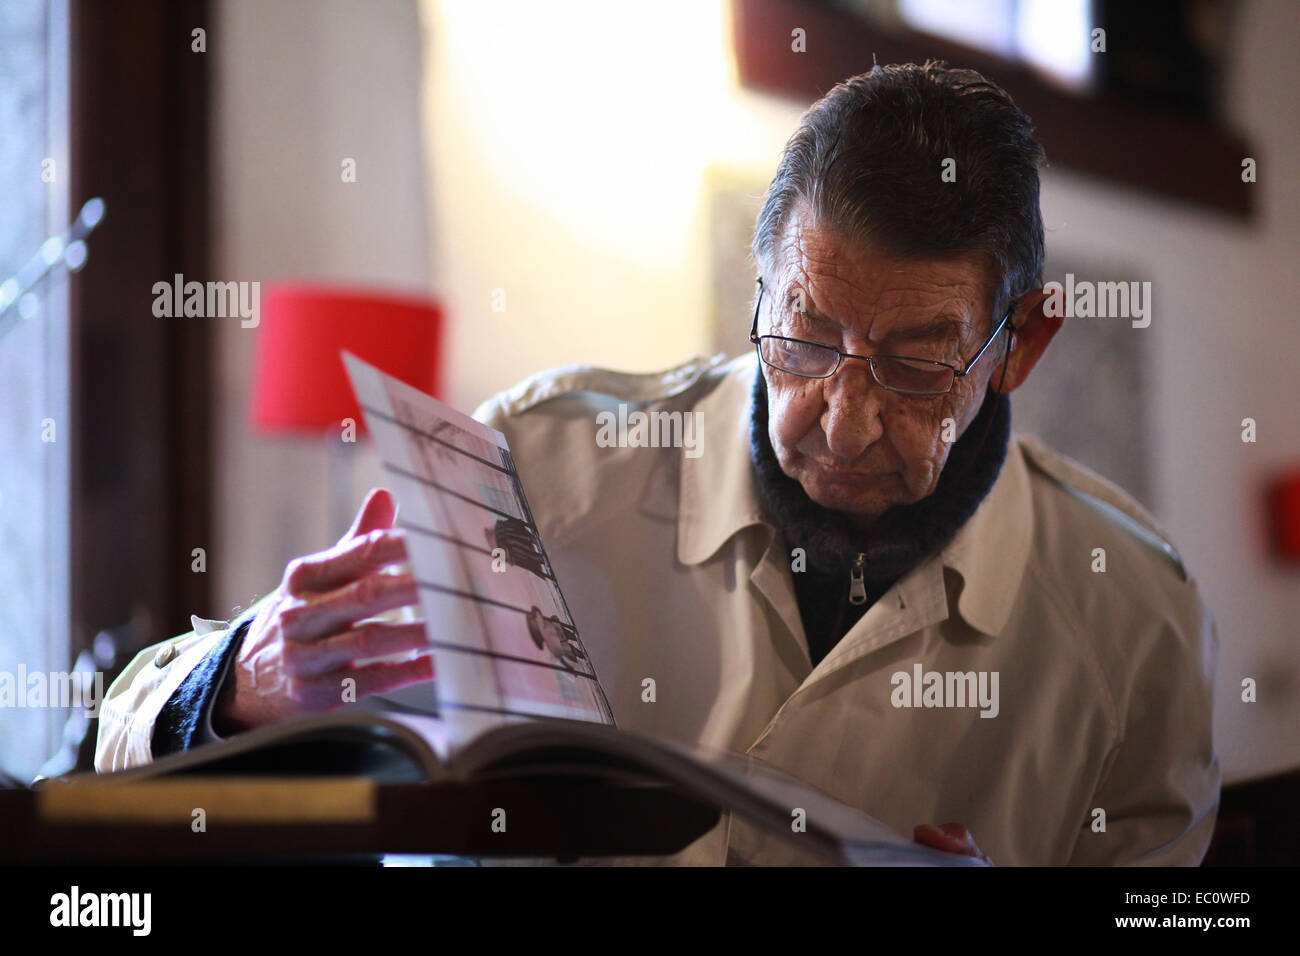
(1096, 748)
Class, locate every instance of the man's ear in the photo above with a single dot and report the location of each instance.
(1035, 330)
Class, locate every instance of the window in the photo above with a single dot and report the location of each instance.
(35, 432)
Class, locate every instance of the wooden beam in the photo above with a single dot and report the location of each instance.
(1157, 152)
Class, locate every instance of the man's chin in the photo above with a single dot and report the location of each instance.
(862, 504)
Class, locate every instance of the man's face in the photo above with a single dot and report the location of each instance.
(854, 446)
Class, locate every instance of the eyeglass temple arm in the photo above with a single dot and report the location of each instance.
(992, 338)
(753, 331)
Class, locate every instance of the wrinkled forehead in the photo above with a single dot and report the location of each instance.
(864, 288)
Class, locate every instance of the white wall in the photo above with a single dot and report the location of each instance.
(570, 142)
(300, 85)
(567, 155)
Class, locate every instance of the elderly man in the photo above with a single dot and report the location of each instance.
(856, 574)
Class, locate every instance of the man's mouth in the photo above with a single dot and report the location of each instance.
(845, 472)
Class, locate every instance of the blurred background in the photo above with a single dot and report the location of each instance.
(567, 182)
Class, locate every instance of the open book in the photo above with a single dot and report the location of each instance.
(514, 694)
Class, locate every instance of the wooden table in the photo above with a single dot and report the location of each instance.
(253, 819)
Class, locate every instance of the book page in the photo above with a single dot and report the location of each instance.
(503, 642)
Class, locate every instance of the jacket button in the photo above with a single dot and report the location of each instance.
(164, 656)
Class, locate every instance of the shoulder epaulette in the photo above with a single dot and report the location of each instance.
(638, 387)
(1107, 499)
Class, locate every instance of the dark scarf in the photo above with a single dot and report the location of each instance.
(897, 542)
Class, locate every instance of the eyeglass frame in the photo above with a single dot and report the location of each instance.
(841, 355)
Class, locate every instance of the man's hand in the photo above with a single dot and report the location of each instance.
(305, 640)
(952, 837)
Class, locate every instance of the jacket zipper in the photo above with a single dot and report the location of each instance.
(857, 595)
(857, 589)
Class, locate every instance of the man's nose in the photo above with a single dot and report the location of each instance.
(853, 417)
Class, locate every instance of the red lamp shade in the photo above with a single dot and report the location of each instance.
(299, 382)
(1285, 516)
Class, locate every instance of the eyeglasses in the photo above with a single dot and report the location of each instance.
(896, 373)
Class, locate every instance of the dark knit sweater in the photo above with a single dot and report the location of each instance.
(897, 542)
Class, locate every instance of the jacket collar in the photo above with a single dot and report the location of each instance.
(719, 497)
(719, 491)
(991, 550)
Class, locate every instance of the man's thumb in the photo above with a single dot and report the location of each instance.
(378, 511)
